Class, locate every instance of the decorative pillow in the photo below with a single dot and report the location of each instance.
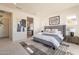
(53, 31)
(47, 30)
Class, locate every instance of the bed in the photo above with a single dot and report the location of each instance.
(52, 38)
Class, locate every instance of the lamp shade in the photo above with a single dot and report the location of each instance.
(72, 30)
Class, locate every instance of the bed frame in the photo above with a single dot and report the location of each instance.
(61, 28)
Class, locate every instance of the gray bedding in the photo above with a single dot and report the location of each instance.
(53, 41)
(49, 38)
(44, 42)
(55, 36)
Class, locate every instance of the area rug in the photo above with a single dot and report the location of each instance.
(62, 50)
(32, 50)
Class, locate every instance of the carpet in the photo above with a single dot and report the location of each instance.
(32, 50)
(62, 50)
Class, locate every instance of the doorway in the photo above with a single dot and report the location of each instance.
(30, 27)
(5, 24)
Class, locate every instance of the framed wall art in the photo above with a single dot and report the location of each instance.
(21, 25)
(54, 20)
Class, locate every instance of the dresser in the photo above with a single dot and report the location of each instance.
(74, 39)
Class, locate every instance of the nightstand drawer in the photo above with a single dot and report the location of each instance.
(74, 39)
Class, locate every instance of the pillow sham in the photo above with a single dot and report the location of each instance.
(51, 34)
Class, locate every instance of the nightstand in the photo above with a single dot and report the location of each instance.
(74, 39)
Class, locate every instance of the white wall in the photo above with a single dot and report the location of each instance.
(18, 15)
(63, 17)
(39, 22)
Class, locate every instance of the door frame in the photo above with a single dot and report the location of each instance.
(10, 24)
(33, 23)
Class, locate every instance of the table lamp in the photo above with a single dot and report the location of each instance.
(72, 31)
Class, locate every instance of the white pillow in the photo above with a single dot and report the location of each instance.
(59, 33)
(61, 36)
(53, 31)
(47, 30)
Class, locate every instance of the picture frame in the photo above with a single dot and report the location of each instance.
(21, 25)
(54, 20)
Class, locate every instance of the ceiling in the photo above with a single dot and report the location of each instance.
(41, 9)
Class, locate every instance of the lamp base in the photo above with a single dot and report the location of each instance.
(72, 34)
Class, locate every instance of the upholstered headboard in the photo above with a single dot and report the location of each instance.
(61, 28)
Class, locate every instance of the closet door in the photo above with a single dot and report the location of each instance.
(4, 25)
